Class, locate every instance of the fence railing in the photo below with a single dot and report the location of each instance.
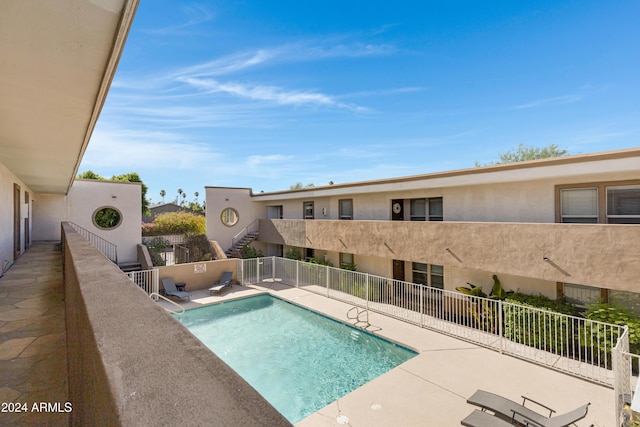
(107, 248)
(173, 239)
(571, 344)
(254, 227)
(147, 280)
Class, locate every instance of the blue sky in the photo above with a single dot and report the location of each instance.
(266, 94)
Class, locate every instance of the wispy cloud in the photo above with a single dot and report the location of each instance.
(270, 93)
(558, 100)
(311, 50)
(195, 14)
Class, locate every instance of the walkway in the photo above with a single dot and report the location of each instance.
(33, 348)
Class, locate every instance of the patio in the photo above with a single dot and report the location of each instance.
(432, 388)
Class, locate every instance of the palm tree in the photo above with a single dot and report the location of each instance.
(162, 194)
(184, 197)
(196, 194)
(179, 194)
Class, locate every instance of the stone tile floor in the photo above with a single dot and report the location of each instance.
(33, 348)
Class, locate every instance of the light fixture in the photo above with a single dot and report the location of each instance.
(545, 259)
(114, 196)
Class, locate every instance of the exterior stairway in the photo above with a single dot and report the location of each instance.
(234, 251)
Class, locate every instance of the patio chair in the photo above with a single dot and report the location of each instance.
(519, 413)
(483, 419)
(170, 289)
(224, 282)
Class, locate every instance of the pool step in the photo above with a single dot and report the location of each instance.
(355, 335)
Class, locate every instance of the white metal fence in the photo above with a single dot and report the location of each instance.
(571, 344)
(147, 280)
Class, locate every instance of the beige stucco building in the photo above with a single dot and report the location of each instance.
(563, 226)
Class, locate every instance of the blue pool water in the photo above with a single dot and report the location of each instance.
(298, 360)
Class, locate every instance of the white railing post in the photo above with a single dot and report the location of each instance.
(327, 279)
(297, 273)
(257, 270)
(366, 289)
(421, 306)
(155, 279)
(500, 325)
(273, 268)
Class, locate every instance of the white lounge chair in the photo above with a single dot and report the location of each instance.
(224, 282)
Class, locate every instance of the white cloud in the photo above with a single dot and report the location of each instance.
(558, 100)
(271, 93)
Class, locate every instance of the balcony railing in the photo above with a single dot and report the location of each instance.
(571, 344)
(107, 248)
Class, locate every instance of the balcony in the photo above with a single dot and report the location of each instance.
(589, 254)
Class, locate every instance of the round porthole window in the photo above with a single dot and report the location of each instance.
(229, 217)
(107, 218)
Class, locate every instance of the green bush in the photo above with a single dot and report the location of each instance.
(293, 253)
(176, 223)
(155, 247)
(617, 315)
(199, 247)
(250, 252)
(547, 330)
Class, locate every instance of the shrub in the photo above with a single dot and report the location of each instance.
(547, 330)
(617, 315)
(155, 247)
(250, 252)
(199, 247)
(293, 253)
(176, 223)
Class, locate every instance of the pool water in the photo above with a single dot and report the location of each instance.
(298, 360)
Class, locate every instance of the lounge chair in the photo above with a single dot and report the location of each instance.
(523, 415)
(483, 419)
(224, 282)
(170, 289)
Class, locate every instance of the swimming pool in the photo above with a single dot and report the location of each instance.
(298, 360)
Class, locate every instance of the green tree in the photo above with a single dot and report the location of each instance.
(90, 175)
(300, 186)
(134, 177)
(524, 153)
(162, 194)
(127, 177)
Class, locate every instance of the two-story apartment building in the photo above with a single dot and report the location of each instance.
(561, 226)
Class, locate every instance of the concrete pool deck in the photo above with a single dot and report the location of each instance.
(431, 389)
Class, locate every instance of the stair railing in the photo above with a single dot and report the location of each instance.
(254, 227)
(107, 248)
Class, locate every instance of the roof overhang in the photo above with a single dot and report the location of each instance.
(58, 60)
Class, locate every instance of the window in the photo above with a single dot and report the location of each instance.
(579, 205)
(308, 210)
(308, 253)
(623, 204)
(435, 209)
(580, 295)
(602, 202)
(428, 274)
(345, 208)
(229, 217)
(346, 261)
(274, 212)
(418, 210)
(107, 218)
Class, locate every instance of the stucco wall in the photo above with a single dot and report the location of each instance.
(7, 179)
(199, 275)
(589, 254)
(49, 210)
(86, 196)
(219, 199)
(131, 363)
